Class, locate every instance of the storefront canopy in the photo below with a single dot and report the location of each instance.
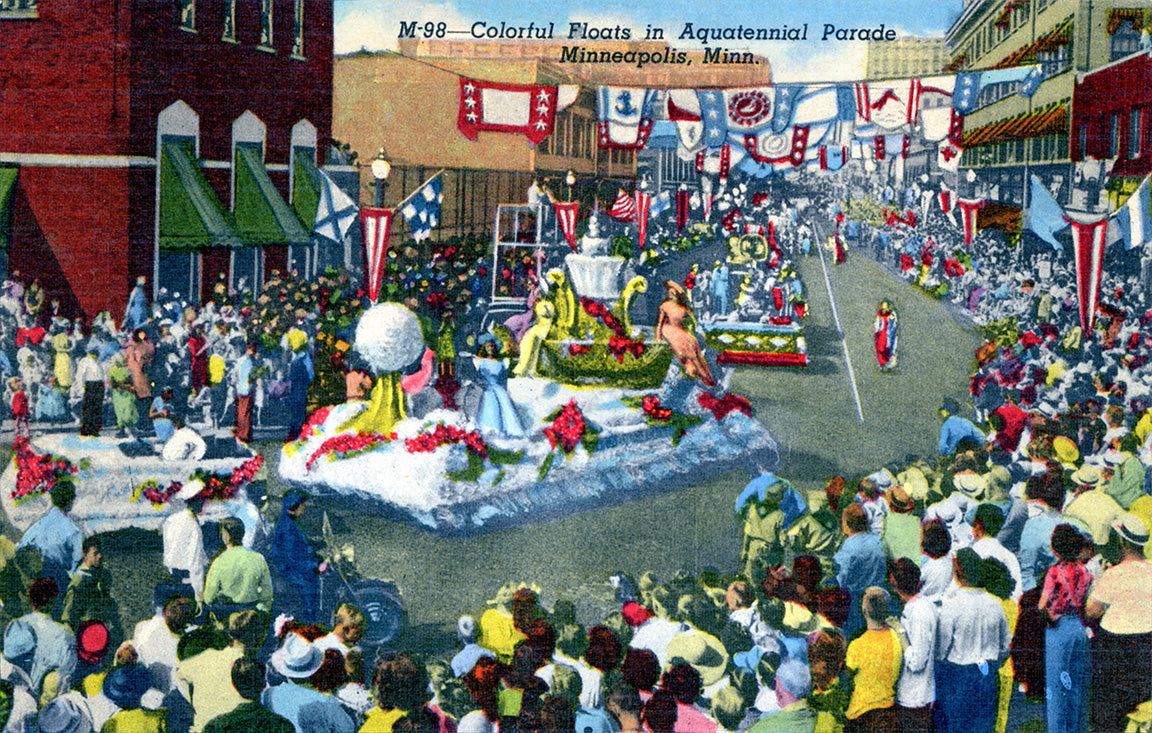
(305, 187)
(191, 215)
(262, 216)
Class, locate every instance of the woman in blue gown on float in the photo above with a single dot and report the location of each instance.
(496, 412)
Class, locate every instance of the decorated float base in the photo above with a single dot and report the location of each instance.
(756, 343)
(431, 473)
(107, 472)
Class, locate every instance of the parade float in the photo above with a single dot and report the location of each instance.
(123, 483)
(600, 413)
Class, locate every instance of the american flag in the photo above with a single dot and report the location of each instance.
(422, 209)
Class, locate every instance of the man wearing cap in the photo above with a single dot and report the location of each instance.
(901, 537)
(309, 710)
(1121, 598)
(184, 555)
(957, 432)
(1091, 506)
(238, 576)
(292, 555)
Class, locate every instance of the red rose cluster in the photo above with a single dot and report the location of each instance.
(721, 407)
(567, 428)
(247, 470)
(348, 443)
(158, 495)
(654, 411)
(447, 435)
(36, 473)
(578, 349)
(620, 344)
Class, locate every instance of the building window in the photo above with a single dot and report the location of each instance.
(188, 15)
(1135, 132)
(1125, 41)
(229, 33)
(1114, 136)
(298, 30)
(266, 25)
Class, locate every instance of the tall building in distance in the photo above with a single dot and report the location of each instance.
(904, 57)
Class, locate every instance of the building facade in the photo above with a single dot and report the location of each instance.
(1008, 136)
(904, 58)
(176, 141)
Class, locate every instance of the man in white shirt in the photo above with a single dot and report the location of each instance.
(916, 689)
(972, 641)
(989, 519)
(184, 555)
(155, 640)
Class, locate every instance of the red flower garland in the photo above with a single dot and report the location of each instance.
(654, 410)
(620, 343)
(721, 407)
(348, 443)
(314, 420)
(447, 435)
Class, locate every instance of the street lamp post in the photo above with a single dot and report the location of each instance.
(380, 170)
(570, 181)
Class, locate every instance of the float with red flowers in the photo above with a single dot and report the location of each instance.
(582, 443)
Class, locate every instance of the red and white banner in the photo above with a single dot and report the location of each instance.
(1088, 242)
(643, 204)
(888, 104)
(529, 109)
(946, 199)
(623, 208)
(968, 211)
(377, 225)
(566, 218)
(683, 205)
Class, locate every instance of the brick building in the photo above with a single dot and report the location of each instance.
(173, 140)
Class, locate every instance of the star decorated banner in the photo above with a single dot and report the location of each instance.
(528, 109)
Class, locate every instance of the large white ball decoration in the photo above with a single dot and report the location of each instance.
(389, 337)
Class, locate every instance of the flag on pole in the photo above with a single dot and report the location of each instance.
(623, 208)
(661, 203)
(643, 203)
(1045, 217)
(1134, 219)
(946, 199)
(1088, 241)
(335, 211)
(968, 211)
(377, 224)
(422, 209)
(566, 217)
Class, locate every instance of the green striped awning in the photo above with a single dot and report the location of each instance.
(305, 187)
(262, 215)
(7, 186)
(191, 215)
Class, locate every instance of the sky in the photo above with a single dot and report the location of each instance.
(375, 24)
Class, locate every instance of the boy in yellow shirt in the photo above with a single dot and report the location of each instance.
(874, 659)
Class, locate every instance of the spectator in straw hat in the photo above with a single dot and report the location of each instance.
(64, 715)
(1091, 505)
(309, 710)
(901, 537)
(1120, 599)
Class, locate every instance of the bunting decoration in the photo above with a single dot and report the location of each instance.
(528, 109)
(377, 225)
(683, 206)
(623, 208)
(1088, 242)
(968, 211)
(566, 218)
(625, 116)
(643, 202)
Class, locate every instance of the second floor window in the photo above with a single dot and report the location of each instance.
(266, 24)
(229, 33)
(1135, 132)
(1125, 41)
(298, 29)
(188, 15)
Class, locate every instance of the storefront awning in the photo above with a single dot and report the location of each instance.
(262, 216)
(7, 186)
(305, 187)
(191, 215)
(1050, 120)
(1059, 36)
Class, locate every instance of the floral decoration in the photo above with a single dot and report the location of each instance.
(37, 473)
(568, 430)
(347, 445)
(447, 435)
(657, 414)
(620, 343)
(314, 423)
(217, 486)
(721, 407)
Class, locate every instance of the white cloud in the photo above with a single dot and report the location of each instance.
(375, 26)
